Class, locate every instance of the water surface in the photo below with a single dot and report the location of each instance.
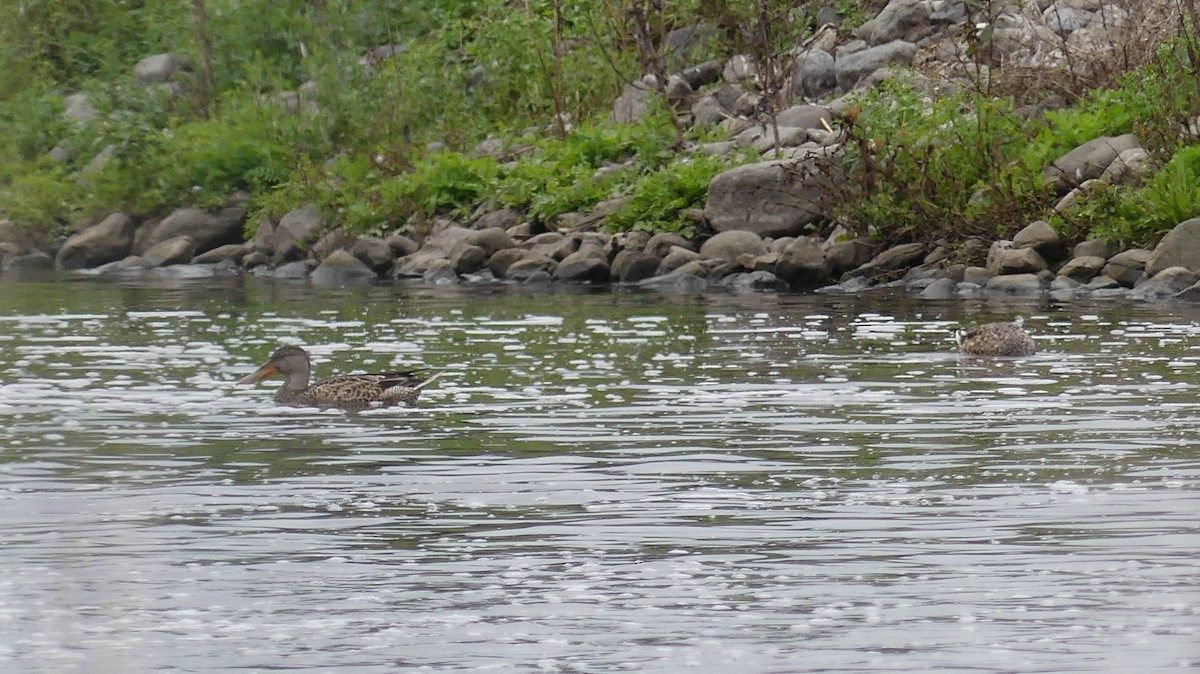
(598, 482)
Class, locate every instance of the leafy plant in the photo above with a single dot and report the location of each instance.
(660, 199)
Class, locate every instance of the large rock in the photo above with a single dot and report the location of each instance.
(802, 263)
(296, 230)
(1088, 161)
(900, 20)
(159, 68)
(1179, 248)
(804, 117)
(1127, 267)
(207, 230)
(1014, 284)
(232, 252)
(1043, 238)
(772, 198)
(79, 108)
(661, 243)
(892, 259)
(468, 258)
(1082, 269)
(108, 241)
(1166, 283)
(373, 252)
(1093, 248)
(854, 67)
(177, 250)
(815, 75)
(633, 266)
(1018, 261)
(341, 268)
(730, 245)
(584, 265)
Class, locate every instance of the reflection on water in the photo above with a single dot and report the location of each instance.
(598, 482)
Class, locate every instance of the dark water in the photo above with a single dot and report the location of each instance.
(598, 482)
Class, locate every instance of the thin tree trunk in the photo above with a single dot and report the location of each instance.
(204, 89)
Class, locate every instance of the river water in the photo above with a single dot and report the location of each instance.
(598, 482)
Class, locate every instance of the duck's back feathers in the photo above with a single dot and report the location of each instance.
(995, 339)
(362, 390)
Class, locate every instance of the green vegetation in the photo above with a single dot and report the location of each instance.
(383, 141)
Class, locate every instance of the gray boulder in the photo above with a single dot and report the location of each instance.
(1014, 284)
(373, 252)
(234, 252)
(940, 289)
(661, 243)
(491, 239)
(503, 218)
(499, 262)
(680, 281)
(752, 281)
(676, 258)
(468, 258)
(1129, 168)
(634, 266)
(441, 272)
(892, 259)
(415, 265)
(296, 230)
(264, 238)
(1082, 269)
(804, 117)
(702, 74)
(159, 68)
(708, 111)
(176, 250)
(108, 241)
(341, 268)
(1018, 261)
(79, 109)
(731, 244)
(34, 262)
(1093, 248)
(773, 198)
(401, 245)
(1127, 267)
(852, 68)
(900, 20)
(1043, 238)
(1166, 283)
(207, 230)
(295, 270)
(584, 265)
(802, 263)
(1179, 248)
(1088, 161)
(814, 73)
(533, 268)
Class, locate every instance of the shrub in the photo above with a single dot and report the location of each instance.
(659, 200)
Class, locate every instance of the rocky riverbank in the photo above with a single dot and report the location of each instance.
(767, 224)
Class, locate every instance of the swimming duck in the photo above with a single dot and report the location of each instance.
(995, 339)
(348, 391)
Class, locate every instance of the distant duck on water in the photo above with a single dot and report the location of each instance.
(348, 391)
(995, 339)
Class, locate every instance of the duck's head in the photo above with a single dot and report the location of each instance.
(288, 361)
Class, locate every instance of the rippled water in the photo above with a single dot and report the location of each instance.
(598, 482)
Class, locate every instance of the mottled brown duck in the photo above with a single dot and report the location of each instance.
(348, 391)
(995, 339)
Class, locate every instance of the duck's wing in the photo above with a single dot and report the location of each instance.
(356, 390)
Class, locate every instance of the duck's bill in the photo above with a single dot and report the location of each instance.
(259, 374)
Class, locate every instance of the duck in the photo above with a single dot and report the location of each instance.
(347, 391)
(995, 339)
